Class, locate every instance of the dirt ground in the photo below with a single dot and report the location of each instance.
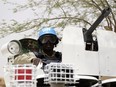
(106, 77)
(2, 83)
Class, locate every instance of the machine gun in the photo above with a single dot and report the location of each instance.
(88, 38)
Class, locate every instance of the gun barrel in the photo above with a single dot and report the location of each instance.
(104, 14)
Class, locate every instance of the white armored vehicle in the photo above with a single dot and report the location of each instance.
(87, 57)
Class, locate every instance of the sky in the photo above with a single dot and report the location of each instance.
(7, 12)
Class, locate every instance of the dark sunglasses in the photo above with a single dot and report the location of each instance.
(48, 38)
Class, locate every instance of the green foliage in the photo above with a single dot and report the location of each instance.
(60, 13)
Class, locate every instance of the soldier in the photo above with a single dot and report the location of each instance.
(47, 40)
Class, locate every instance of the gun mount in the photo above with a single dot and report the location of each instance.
(88, 38)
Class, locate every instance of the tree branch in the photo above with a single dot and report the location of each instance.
(112, 15)
(69, 18)
(96, 5)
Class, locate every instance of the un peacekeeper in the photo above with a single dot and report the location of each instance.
(47, 41)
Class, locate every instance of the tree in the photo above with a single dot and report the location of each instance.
(98, 5)
(59, 13)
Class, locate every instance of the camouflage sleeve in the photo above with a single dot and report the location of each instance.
(24, 58)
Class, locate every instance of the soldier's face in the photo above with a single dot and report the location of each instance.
(48, 46)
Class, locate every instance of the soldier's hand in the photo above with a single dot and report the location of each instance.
(36, 61)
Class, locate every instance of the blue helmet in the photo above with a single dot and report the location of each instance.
(45, 31)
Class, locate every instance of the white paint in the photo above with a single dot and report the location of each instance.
(101, 62)
(107, 52)
(74, 52)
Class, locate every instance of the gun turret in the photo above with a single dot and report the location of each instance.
(88, 33)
